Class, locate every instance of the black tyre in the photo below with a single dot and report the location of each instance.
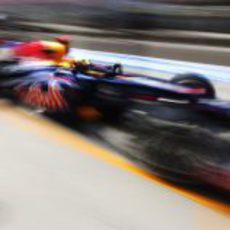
(117, 69)
(197, 82)
(111, 101)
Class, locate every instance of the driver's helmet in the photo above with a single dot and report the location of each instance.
(65, 41)
(54, 50)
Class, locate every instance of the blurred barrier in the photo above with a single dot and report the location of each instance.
(126, 14)
(156, 66)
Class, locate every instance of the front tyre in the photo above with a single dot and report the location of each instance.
(196, 81)
(117, 69)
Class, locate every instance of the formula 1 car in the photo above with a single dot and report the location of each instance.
(106, 90)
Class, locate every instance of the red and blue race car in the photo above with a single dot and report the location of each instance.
(65, 87)
(57, 87)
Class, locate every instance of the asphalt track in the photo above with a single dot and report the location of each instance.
(53, 178)
(51, 182)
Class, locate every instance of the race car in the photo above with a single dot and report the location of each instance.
(91, 90)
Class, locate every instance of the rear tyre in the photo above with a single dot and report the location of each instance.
(197, 82)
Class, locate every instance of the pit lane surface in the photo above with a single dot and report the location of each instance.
(53, 178)
(124, 211)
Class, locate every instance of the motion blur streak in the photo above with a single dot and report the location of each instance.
(168, 67)
(75, 141)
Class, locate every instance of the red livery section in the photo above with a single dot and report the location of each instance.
(51, 99)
